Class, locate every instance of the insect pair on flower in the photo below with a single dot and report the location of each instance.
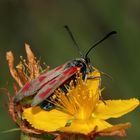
(44, 86)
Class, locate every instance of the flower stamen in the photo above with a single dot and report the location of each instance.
(79, 101)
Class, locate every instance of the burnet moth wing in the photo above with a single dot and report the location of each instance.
(31, 88)
(53, 84)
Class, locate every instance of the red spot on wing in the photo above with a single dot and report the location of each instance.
(26, 87)
(52, 82)
(70, 70)
(43, 94)
(59, 67)
(66, 73)
(41, 78)
(61, 78)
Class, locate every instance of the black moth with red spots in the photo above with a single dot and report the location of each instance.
(43, 87)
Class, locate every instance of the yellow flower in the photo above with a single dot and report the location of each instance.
(81, 110)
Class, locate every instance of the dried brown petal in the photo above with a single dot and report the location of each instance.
(120, 133)
(11, 108)
(32, 63)
(20, 70)
(15, 88)
(10, 59)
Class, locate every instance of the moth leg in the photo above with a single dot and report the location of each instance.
(107, 75)
(91, 77)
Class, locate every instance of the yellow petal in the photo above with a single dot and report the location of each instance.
(115, 108)
(46, 120)
(86, 127)
(94, 83)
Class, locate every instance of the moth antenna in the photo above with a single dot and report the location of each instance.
(104, 38)
(73, 39)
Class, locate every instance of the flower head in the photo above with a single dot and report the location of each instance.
(80, 110)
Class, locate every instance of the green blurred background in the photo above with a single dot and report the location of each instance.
(40, 23)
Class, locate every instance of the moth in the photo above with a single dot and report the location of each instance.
(44, 86)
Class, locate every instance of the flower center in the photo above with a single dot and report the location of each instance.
(79, 101)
